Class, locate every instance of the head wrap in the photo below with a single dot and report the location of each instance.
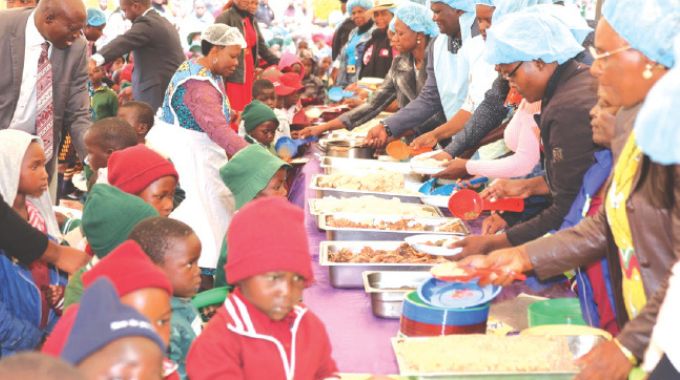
(569, 16)
(366, 4)
(514, 39)
(249, 172)
(656, 126)
(647, 25)
(267, 235)
(418, 18)
(133, 169)
(223, 35)
(103, 319)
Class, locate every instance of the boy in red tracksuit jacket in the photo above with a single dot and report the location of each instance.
(263, 331)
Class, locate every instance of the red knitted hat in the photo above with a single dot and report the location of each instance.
(133, 169)
(268, 235)
(129, 269)
(56, 341)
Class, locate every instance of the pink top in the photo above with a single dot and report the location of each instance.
(521, 136)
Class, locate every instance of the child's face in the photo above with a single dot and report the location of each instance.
(274, 293)
(291, 100)
(276, 186)
(126, 358)
(97, 156)
(181, 266)
(326, 63)
(33, 175)
(309, 65)
(268, 97)
(160, 194)
(296, 68)
(130, 115)
(264, 133)
(97, 74)
(154, 304)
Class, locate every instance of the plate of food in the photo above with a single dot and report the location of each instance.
(432, 244)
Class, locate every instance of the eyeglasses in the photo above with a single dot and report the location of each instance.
(512, 73)
(606, 54)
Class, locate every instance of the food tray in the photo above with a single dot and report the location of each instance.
(334, 164)
(343, 234)
(342, 193)
(454, 341)
(387, 290)
(350, 275)
(316, 209)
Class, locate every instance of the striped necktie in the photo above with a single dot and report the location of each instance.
(45, 108)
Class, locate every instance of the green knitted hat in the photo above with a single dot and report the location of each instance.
(257, 113)
(110, 215)
(249, 172)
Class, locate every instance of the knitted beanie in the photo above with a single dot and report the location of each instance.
(257, 113)
(110, 215)
(133, 169)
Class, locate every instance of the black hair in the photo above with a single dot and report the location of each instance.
(33, 365)
(113, 133)
(144, 112)
(206, 47)
(261, 84)
(155, 236)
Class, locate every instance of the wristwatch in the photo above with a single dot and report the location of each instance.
(386, 128)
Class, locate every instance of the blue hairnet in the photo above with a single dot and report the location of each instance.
(95, 17)
(569, 16)
(656, 126)
(366, 4)
(647, 25)
(528, 36)
(462, 5)
(418, 18)
(505, 7)
(485, 2)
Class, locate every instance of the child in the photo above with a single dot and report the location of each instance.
(260, 124)
(103, 138)
(103, 100)
(35, 366)
(140, 116)
(108, 338)
(108, 218)
(315, 93)
(174, 247)
(288, 89)
(263, 90)
(140, 171)
(30, 295)
(252, 173)
(263, 331)
(290, 63)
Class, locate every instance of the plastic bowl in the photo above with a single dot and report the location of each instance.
(214, 296)
(416, 310)
(556, 311)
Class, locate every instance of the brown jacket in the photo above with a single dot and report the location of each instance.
(654, 218)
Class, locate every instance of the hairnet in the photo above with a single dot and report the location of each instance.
(569, 16)
(647, 25)
(223, 35)
(466, 19)
(489, 3)
(656, 126)
(366, 4)
(505, 7)
(462, 5)
(418, 18)
(528, 36)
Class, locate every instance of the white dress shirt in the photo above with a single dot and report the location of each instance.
(26, 110)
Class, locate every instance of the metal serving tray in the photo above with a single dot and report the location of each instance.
(368, 234)
(343, 193)
(316, 210)
(349, 275)
(387, 290)
(335, 164)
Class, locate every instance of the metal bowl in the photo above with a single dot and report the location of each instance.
(348, 149)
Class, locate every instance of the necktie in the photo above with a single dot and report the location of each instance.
(45, 108)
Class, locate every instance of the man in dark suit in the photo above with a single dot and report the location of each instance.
(156, 49)
(44, 89)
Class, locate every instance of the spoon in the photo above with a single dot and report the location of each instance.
(467, 204)
(398, 150)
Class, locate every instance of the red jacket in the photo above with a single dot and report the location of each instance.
(237, 345)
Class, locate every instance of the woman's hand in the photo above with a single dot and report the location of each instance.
(479, 245)
(604, 362)
(315, 130)
(508, 262)
(455, 169)
(426, 140)
(506, 188)
(65, 258)
(353, 102)
(493, 224)
(376, 137)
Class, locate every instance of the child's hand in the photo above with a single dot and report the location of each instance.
(55, 297)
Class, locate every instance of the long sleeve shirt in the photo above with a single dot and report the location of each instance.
(17, 238)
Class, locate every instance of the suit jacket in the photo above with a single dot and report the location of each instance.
(157, 51)
(69, 85)
(233, 17)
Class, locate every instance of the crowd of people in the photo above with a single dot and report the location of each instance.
(161, 121)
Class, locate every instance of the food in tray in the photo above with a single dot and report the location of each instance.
(369, 204)
(381, 181)
(404, 254)
(471, 354)
(429, 163)
(449, 269)
(406, 224)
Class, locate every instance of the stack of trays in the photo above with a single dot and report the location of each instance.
(420, 319)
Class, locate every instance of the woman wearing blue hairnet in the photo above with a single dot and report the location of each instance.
(349, 60)
(638, 225)
(413, 31)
